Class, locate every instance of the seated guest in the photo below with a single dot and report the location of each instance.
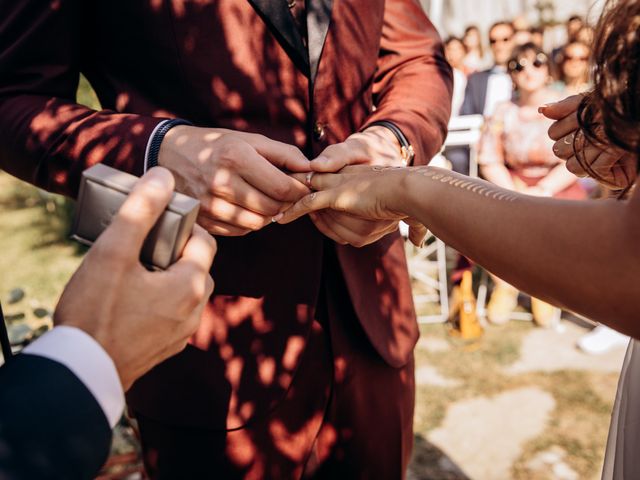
(573, 70)
(485, 89)
(515, 153)
(455, 51)
(64, 393)
(475, 58)
(573, 25)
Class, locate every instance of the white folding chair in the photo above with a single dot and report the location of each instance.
(465, 131)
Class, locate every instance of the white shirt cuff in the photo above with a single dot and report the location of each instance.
(88, 361)
(146, 151)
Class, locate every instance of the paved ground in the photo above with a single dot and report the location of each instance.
(482, 437)
(551, 350)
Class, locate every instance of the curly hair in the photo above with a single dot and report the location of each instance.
(610, 114)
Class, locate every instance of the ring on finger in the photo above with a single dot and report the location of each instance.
(568, 139)
(309, 178)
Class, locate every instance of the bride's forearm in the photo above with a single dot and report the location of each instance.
(583, 255)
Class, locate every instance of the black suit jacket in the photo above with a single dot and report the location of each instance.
(51, 426)
(475, 94)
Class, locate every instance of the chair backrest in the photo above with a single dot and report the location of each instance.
(464, 130)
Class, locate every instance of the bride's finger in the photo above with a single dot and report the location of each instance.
(311, 203)
(563, 127)
(561, 109)
(321, 181)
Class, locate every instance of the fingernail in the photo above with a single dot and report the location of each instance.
(277, 218)
(542, 108)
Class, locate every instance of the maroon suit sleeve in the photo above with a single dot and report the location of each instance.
(46, 138)
(414, 82)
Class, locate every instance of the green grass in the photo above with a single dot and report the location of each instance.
(34, 252)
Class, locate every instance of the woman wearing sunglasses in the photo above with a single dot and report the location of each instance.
(574, 68)
(515, 153)
(582, 255)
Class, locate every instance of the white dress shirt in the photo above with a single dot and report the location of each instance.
(459, 86)
(499, 90)
(88, 361)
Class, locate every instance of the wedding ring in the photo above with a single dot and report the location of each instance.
(308, 179)
(568, 139)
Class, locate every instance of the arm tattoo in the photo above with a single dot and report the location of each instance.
(484, 189)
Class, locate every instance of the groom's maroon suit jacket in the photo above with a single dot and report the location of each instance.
(235, 64)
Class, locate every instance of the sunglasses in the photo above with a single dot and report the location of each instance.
(580, 59)
(493, 41)
(519, 65)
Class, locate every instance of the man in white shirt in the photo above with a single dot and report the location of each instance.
(65, 392)
(486, 89)
(490, 87)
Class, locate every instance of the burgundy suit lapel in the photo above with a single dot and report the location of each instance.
(276, 15)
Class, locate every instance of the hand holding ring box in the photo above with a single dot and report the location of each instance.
(103, 190)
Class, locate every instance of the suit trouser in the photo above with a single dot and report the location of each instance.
(348, 414)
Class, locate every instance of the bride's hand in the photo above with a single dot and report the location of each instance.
(611, 166)
(368, 192)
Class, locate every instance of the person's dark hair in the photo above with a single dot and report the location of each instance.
(453, 38)
(501, 23)
(472, 28)
(574, 18)
(611, 112)
(534, 30)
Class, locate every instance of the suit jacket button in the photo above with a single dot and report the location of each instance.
(318, 131)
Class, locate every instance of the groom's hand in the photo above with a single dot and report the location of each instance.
(376, 145)
(240, 178)
(139, 317)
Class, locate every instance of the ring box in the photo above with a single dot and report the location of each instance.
(103, 190)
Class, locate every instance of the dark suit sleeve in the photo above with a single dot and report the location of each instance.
(50, 424)
(46, 138)
(414, 83)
